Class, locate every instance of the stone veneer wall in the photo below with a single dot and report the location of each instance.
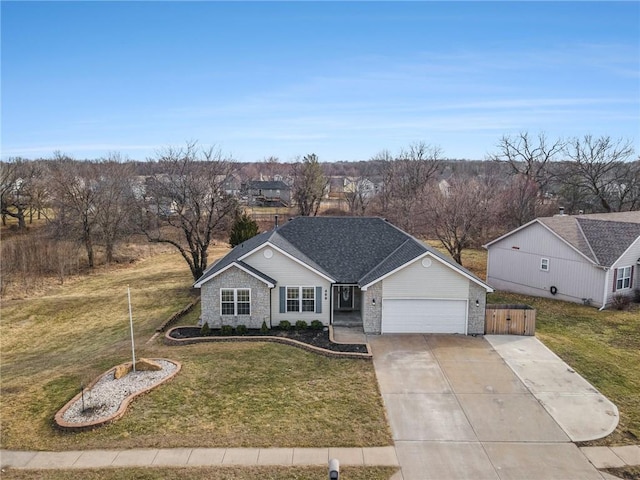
(235, 278)
(475, 314)
(372, 314)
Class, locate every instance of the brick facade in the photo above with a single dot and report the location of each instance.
(372, 314)
(235, 278)
(475, 314)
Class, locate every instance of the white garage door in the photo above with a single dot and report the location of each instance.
(424, 316)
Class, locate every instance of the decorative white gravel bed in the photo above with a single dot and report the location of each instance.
(104, 399)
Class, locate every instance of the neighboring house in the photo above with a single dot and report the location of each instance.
(582, 258)
(274, 193)
(329, 268)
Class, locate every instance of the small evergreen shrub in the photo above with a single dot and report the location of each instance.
(285, 325)
(241, 330)
(301, 325)
(205, 330)
(317, 325)
(264, 328)
(226, 330)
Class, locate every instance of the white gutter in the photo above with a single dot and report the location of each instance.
(606, 289)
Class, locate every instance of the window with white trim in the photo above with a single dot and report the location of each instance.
(301, 299)
(235, 301)
(623, 278)
(544, 264)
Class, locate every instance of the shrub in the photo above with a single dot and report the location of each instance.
(301, 325)
(241, 330)
(205, 330)
(226, 330)
(317, 325)
(620, 302)
(264, 328)
(636, 295)
(285, 325)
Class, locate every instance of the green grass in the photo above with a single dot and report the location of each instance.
(603, 346)
(231, 395)
(202, 473)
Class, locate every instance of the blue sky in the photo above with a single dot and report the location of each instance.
(342, 80)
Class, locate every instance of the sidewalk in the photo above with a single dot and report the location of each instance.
(181, 457)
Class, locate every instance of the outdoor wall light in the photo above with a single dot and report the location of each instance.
(477, 303)
(373, 302)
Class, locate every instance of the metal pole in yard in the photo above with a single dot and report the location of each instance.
(133, 347)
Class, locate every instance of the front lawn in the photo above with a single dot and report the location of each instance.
(231, 395)
(603, 346)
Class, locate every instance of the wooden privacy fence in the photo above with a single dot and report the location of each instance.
(509, 320)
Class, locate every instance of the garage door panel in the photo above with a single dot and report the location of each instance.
(423, 316)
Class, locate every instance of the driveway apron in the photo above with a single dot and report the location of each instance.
(458, 411)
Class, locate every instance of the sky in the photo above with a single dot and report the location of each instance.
(339, 79)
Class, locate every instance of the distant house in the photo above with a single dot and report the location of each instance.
(336, 269)
(272, 193)
(578, 258)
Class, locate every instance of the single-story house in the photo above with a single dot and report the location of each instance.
(578, 258)
(335, 268)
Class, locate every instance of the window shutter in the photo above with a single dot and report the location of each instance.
(318, 299)
(615, 278)
(631, 279)
(283, 299)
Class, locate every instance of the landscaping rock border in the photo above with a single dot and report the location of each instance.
(63, 424)
(168, 340)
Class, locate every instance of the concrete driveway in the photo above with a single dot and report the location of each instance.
(458, 411)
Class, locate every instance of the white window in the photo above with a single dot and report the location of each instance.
(235, 301)
(544, 264)
(623, 278)
(301, 299)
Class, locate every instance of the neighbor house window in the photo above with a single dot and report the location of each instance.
(301, 299)
(544, 264)
(235, 301)
(623, 278)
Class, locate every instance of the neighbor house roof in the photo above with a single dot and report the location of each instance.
(349, 250)
(601, 237)
(268, 185)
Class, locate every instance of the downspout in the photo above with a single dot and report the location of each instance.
(606, 289)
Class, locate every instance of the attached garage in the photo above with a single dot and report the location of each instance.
(424, 316)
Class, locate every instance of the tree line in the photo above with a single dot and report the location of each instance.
(180, 197)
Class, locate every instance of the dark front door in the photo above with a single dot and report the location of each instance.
(346, 298)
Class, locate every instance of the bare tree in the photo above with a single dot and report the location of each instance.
(459, 213)
(309, 185)
(114, 202)
(599, 167)
(529, 160)
(187, 205)
(75, 201)
(358, 194)
(405, 180)
(15, 196)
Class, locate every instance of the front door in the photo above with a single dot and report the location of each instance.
(346, 298)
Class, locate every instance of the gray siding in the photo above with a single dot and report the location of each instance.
(513, 265)
(288, 272)
(628, 259)
(235, 278)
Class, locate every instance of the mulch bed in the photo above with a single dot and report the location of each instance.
(316, 338)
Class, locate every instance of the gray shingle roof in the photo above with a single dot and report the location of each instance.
(356, 250)
(268, 185)
(608, 240)
(601, 237)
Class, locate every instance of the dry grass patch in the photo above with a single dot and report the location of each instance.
(202, 473)
(239, 394)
